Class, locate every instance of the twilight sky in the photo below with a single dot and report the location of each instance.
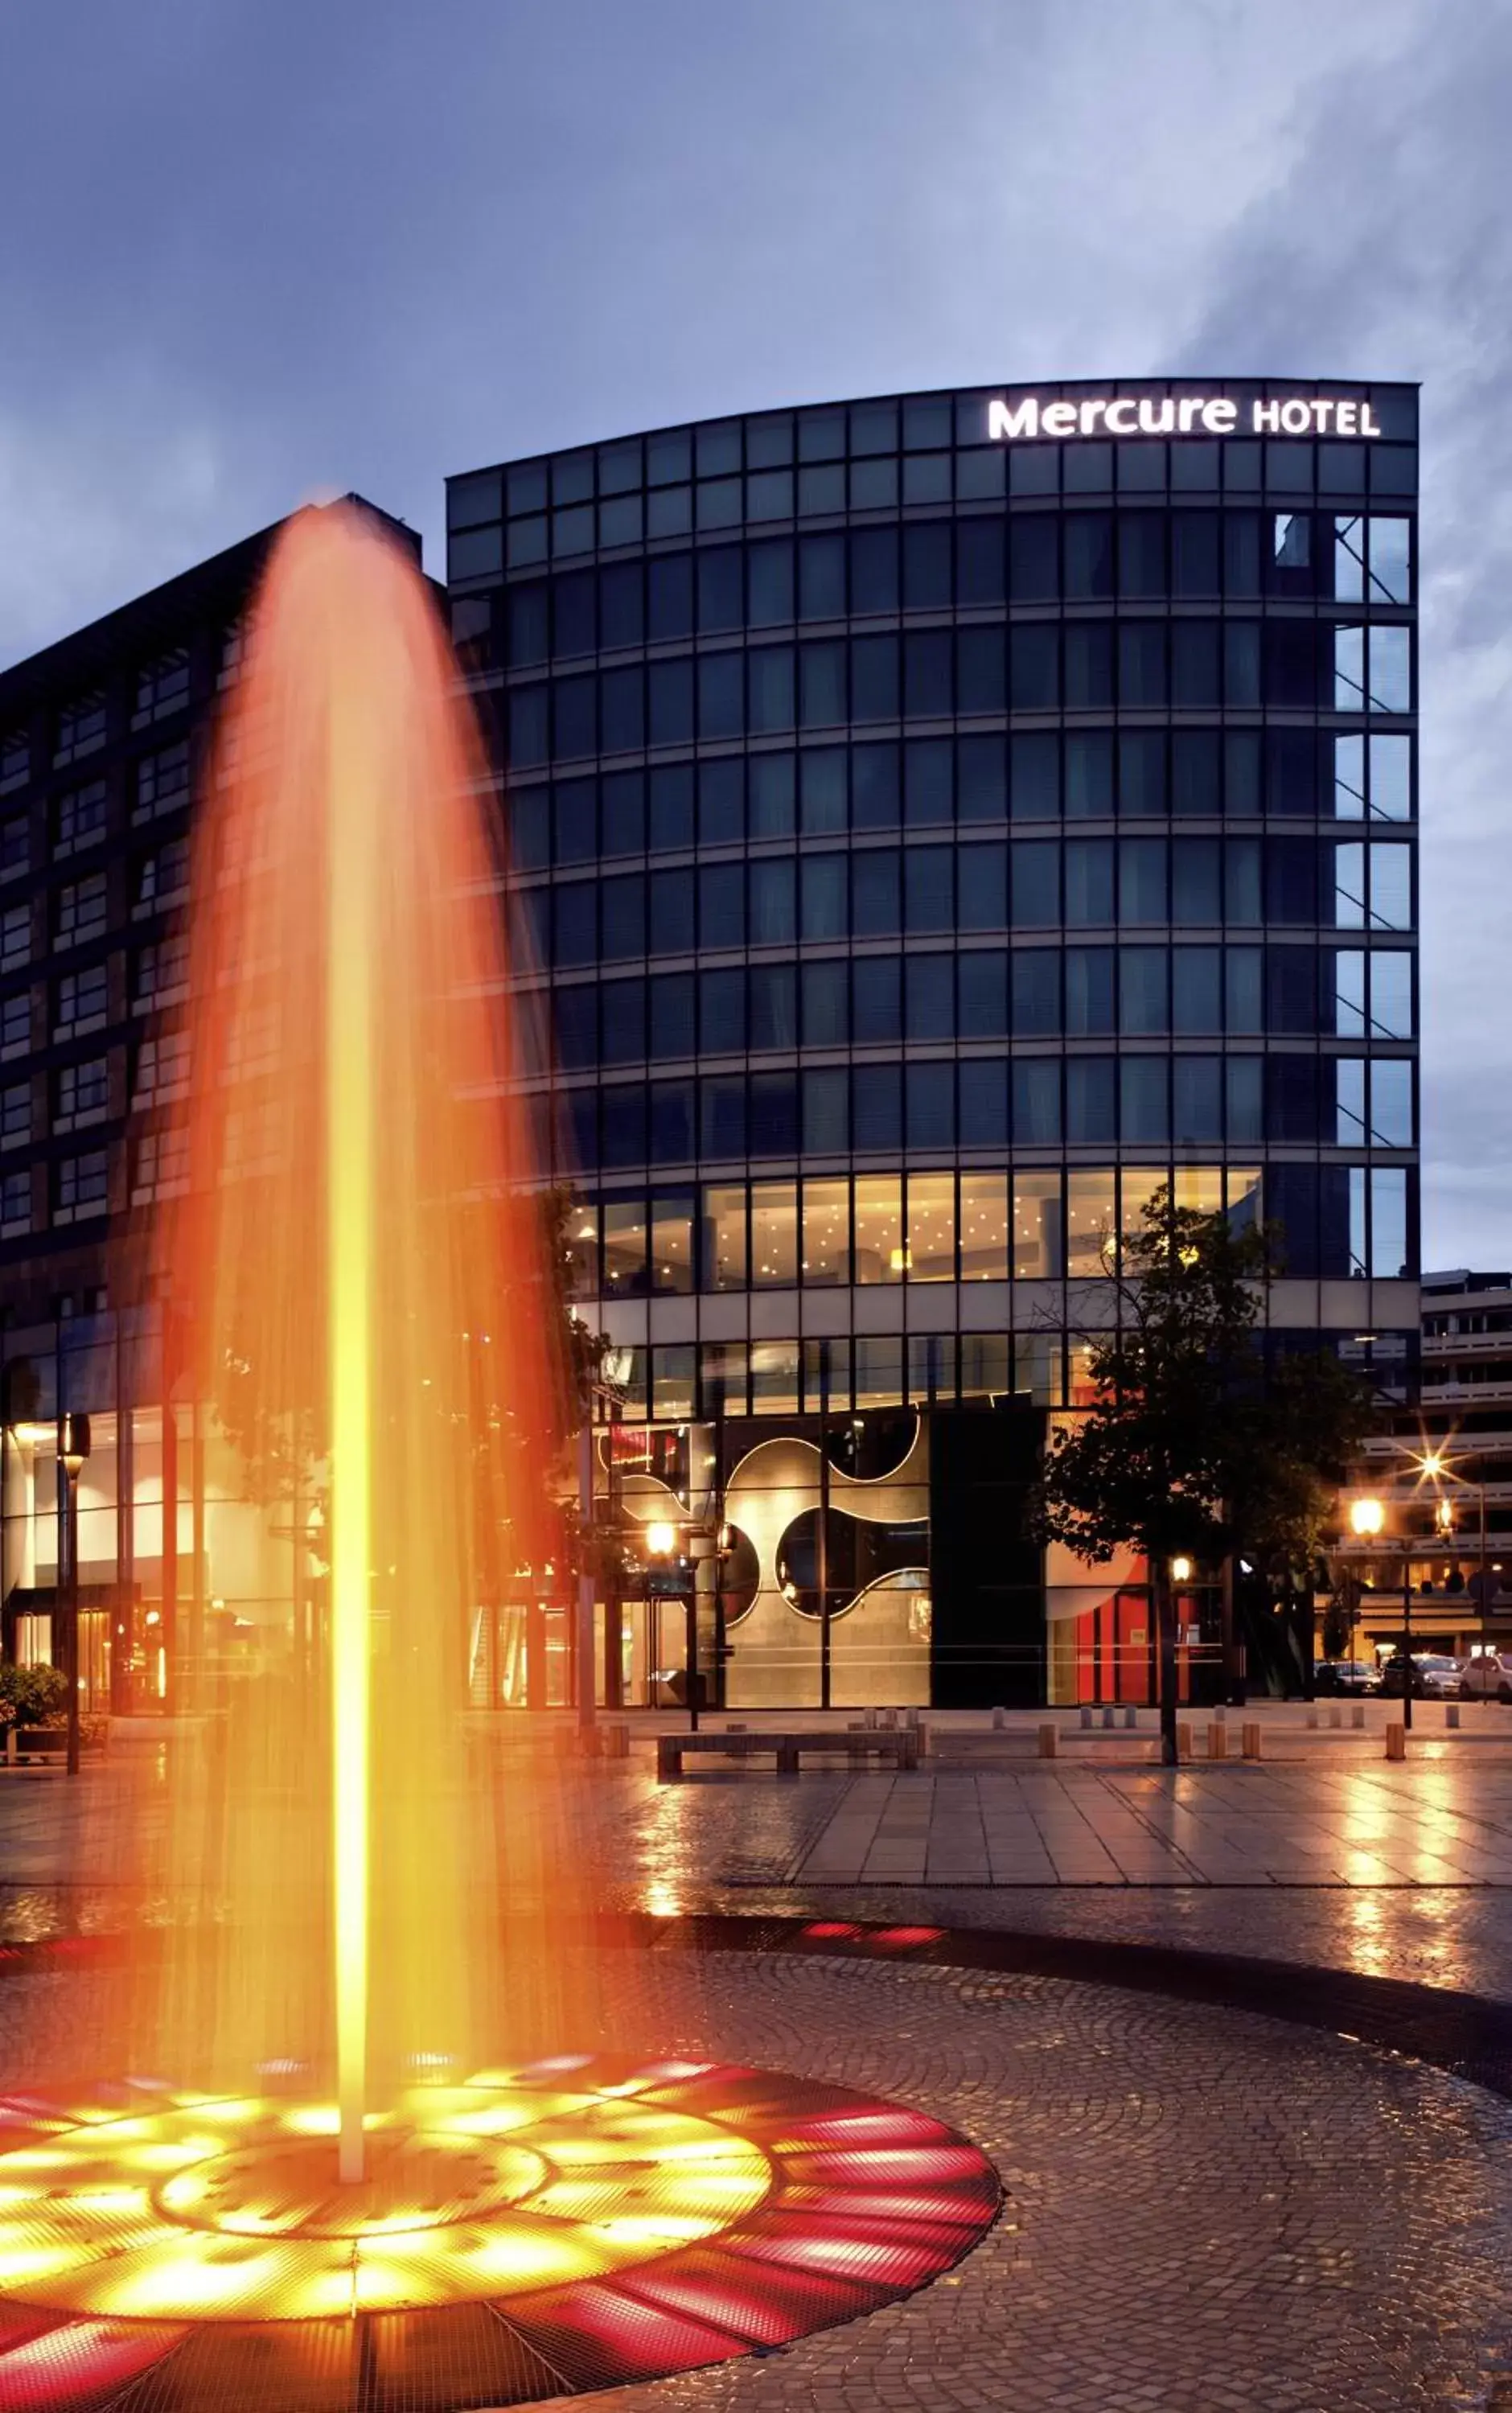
(255, 251)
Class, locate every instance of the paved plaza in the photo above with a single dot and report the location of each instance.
(1225, 2186)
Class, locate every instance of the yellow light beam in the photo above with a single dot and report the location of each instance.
(348, 1187)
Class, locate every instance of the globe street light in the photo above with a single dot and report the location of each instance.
(1367, 1518)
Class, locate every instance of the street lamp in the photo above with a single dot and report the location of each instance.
(1368, 1518)
(1434, 1464)
(73, 1449)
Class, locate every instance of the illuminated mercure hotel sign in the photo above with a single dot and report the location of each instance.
(1192, 414)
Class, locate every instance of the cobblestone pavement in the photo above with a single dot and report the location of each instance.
(1204, 2210)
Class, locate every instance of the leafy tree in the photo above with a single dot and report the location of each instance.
(1187, 1449)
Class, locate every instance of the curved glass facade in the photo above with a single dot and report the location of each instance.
(931, 840)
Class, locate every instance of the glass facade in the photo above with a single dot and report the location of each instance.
(923, 845)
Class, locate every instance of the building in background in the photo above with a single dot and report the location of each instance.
(937, 821)
(104, 740)
(1442, 1472)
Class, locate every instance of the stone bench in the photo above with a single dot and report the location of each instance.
(900, 1745)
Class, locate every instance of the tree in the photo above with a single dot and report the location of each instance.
(1188, 1449)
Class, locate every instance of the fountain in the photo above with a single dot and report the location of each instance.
(350, 2163)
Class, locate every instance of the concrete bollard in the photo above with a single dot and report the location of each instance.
(1396, 1740)
(1451, 1715)
(1357, 1716)
(1183, 1738)
(1085, 1716)
(1109, 1713)
(1130, 1718)
(1000, 1720)
(1312, 1721)
(1336, 1717)
(1049, 1741)
(924, 1732)
(1249, 1738)
(616, 1743)
(1216, 1738)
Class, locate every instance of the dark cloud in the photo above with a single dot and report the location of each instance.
(255, 249)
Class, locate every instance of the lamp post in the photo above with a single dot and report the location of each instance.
(1366, 1517)
(73, 1449)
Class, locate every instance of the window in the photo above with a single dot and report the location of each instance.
(15, 1114)
(1092, 1222)
(16, 1023)
(1036, 1243)
(162, 688)
(15, 1202)
(80, 1186)
(983, 1226)
(724, 1251)
(83, 1088)
(878, 1228)
(79, 817)
(162, 781)
(774, 1234)
(81, 911)
(162, 878)
(160, 1165)
(15, 845)
(625, 1238)
(162, 1067)
(81, 729)
(931, 1227)
(672, 1244)
(15, 935)
(15, 759)
(826, 1234)
(1391, 995)
(159, 971)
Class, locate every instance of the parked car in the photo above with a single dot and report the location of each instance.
(1434, 1679)
(1486, 1676)
(1333, 1676)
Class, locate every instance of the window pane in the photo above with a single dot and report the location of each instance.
(877, 1109)
(1196, 1100)
(1391, 995)
(672, 1244)
(982, 1088)
(1090, 1222)
(721, 1008)
(826, 1232)
(875, 893)
(625, 1266)
(1390, 887)
(774, 1006)
(826, 1021)
(983, 1226)
(1143, 1004)
(1142, 879)
(822, 779)
(1390, 779)
(981, 779)
(1391, 1104)
(1037, 1249)
(825, 891)
(878, 1228)
(1348, 1019)
(1144, 1112)
(878, 992)
(774, 1234)
(1090, 1104)
(773, 902)
(724, 1239)
(1198, 990)
(931, 991)
(1089, 992)
(1088, 881)
(931, 1230)
(1391, 687)
(982, 993)
(1349, 777)
(773, 793)
(1390, 572)
(1037, 1086)
(1389, 1255)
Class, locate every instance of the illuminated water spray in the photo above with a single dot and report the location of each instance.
(371, 1987)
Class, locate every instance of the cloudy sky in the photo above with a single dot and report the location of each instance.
(252, 251)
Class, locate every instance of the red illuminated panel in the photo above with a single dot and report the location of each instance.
(596, 2335)
(81, 2366)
